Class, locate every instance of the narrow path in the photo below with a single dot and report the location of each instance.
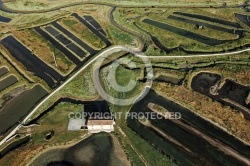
(136, 151)
(141, 44)
(200, 55)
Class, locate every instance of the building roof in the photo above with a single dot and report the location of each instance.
(92, 122)
(75, 124)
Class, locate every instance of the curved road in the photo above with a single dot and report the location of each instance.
(108, 51)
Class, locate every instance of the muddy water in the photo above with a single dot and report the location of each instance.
(20, 106)
(98, 149)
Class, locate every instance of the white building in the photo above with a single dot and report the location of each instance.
(95, 125)
(92, 124)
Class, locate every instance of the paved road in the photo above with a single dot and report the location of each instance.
(107, 51)
(203, 55)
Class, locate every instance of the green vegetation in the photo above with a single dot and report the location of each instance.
(124, 76)
(150, 154)
(37, 5)
(69, 22)
(57, 121)
(132, 143)
(32, 20)
(118, 36)
(121, 95)
(82, 87)
(169, 72)
(131, 17)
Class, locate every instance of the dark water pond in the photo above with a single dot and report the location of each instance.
(78, 51)
(235, 92)
(6, 82)
(63, 39)
(31, 61)
(14, 145)
(3, 71)
(98, 149)
(13, 112)
(243, 18)
(203, 83)
(207, 153)
(4, 19)
(52, 30)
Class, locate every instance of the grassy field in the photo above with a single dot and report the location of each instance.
(123, 76)
(122, 80)
(81, 87)
(169, 72)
